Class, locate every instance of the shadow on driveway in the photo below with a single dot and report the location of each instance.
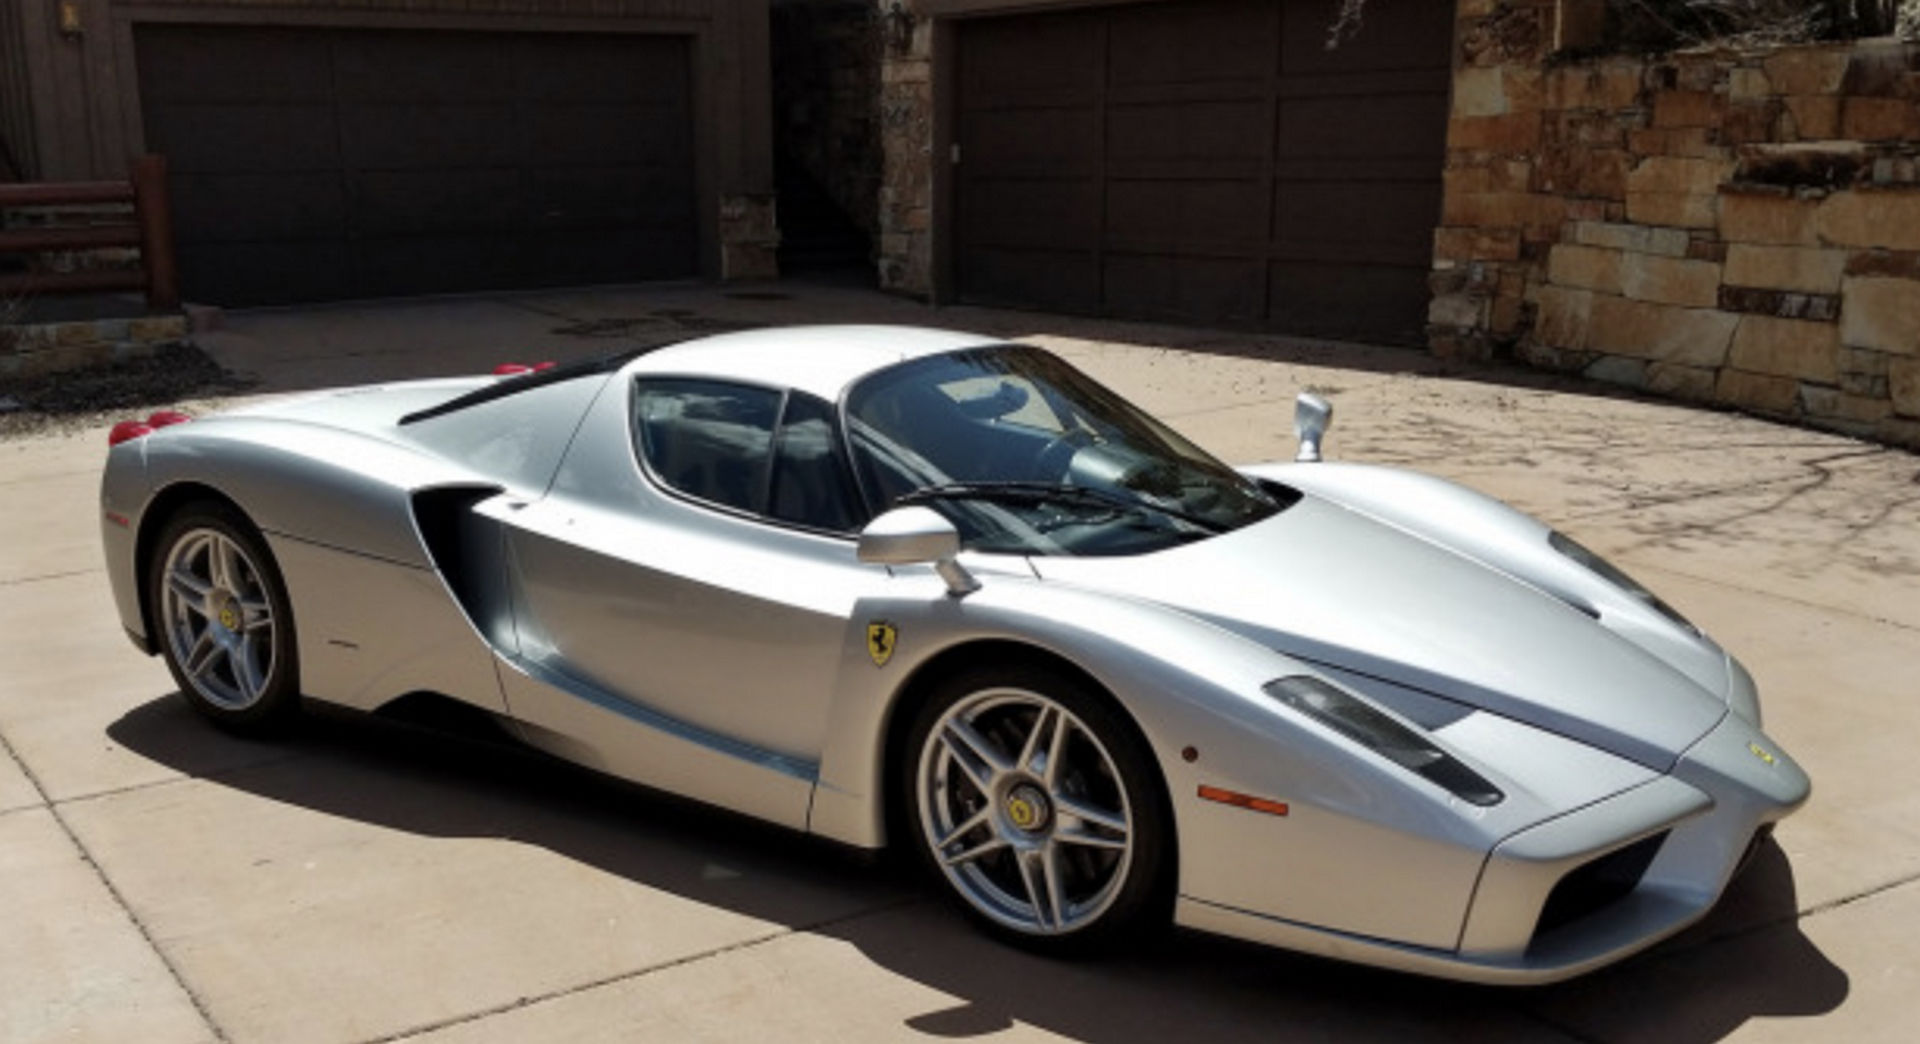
(1748, 959)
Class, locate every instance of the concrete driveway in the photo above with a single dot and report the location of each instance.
(369, 882)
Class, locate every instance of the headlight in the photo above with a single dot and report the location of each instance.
(1364, 724)
(1612, 574)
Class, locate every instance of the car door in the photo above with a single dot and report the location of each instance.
(710, 600)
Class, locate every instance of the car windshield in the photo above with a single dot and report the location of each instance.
(1027, 455)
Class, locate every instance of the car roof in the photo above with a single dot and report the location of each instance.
(819, 360)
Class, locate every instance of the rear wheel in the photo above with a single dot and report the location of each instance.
(1038, 807)
(226, 626)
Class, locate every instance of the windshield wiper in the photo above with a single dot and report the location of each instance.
(1049, 493)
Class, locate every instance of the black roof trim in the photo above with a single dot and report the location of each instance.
(526, 382)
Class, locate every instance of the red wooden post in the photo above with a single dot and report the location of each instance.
(151, 210)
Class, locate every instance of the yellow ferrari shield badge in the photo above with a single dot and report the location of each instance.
(881, 636)
(1023, 814)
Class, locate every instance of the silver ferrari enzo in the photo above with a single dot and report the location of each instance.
(923, 588)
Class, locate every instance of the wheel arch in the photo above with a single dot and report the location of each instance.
(1013, 654)
(165, 504)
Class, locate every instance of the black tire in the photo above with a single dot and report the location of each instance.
(234, 666)
(1103, 899)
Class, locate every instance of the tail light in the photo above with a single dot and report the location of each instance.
(539, 366)
(126, 431)
(511, 369)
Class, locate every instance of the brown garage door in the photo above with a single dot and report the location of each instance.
(315, 164)
(1205, 161)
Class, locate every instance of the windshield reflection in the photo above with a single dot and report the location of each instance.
(1026, 454)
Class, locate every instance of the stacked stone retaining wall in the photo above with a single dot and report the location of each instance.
(1729, 227)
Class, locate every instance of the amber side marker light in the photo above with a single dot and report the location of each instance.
(1246, 801)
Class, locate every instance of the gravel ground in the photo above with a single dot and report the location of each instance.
(87, 397)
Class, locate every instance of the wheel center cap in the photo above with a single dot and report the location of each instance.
(227, 612)
(1027, 808)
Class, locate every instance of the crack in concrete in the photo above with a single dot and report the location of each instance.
(1798, 916)
(152, 784)
(15, 581)
(1848, 900)
(640, 973)
(1789, 599)
(86, 855)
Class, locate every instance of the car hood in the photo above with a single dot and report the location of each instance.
(1327, 585)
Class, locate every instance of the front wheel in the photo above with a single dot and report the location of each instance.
(226, 628)
(1038, 806)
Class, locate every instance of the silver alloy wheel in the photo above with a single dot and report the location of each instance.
(1025, 811)
(218, 619)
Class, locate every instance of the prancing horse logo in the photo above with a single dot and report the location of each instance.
(881, 636)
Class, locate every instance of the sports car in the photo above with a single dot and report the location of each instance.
(918, 588)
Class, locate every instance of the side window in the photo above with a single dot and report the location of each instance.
(708, 439)
(811, 486)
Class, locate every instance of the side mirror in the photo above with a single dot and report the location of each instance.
(913, 536)
(1311, 417)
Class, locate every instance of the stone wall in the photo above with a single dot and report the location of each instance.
(749, 237)
(1732, 228)
(905, 248)
(29, 349)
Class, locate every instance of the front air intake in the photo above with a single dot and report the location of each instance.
(1597, 884)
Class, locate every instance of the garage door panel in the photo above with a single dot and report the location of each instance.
(1192, 42)
(1371, 128)
(1042, 60)
(1183, 287)
(1408, 37)
(1051, 278)
(389, 136)
(1354, 171)
(1038, 141)
(596, 197)
(652, 134)
(245, 66)
(1385, 221)
(1245, 174)
(242, 138)
(269, 273)
(1022, 211)
(241, 207)
(1364, 302)
(403, 202)
(410, 161)
(1234, 129)
(1186, 210)
(626, 256)
(433, 264)
(426, 68)
(632, 70)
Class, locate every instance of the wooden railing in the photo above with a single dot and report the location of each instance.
(150, 229)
